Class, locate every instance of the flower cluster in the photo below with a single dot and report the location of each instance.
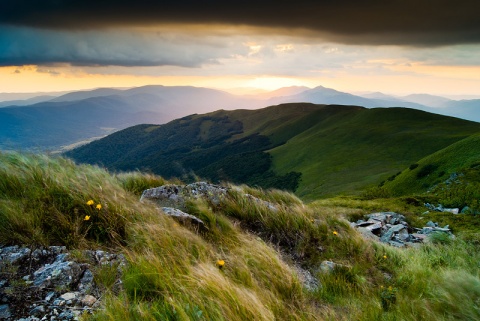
(91, 203)
(388, 297)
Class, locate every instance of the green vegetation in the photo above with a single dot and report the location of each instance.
(191, 147)
(353, 149)
(173, 272)
(314, 150)
(437, 167)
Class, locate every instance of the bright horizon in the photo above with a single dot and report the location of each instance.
(399, 48)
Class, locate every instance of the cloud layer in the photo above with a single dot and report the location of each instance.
(400, 22)
(28, 46)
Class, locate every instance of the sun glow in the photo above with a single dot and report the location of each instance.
(273, 83)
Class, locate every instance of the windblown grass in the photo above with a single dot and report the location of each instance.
(265, 240)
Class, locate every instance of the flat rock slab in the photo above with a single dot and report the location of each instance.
(170, 211)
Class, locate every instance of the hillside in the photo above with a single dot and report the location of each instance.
(262, 255)
(317, 150)
(49, 123)
(77, 116)
(437, 167)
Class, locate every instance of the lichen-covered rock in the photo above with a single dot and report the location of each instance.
(60, 274)
(176, 213)
(176, 196)
(4, 311)
(172, 199)
(49, 283)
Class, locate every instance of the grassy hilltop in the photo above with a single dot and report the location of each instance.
(173, 272)
(314, 150)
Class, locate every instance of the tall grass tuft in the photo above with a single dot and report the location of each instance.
(266, 241)
(44, 200)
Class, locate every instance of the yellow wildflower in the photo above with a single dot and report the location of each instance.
(335, 233)
(90, 202)
(220, 263)
(87, 217)
(99, 207)
(384, 256)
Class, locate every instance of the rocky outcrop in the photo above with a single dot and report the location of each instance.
(172, 199)
(176, 196)
(391, 228)
(51, 283)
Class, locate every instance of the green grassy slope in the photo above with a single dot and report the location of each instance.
(437, 167)
(321, 149)
(365, 147)
(172, 272)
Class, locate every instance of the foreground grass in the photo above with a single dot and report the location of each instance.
(173, 272)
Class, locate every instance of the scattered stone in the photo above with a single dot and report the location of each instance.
(375, 228)
(88, 300)
(69, 296)
(66, 315)
(420, 237)
(391, 231)
(367, 234)
(403, 235)
(60, 287)
(270, 205)
(465, 210)
(4, 311)
(440, 208)
(61, 273)
(182, 216)
(38, 311)
(391, 228)
(309, 282)
(430, 224)
(329, 266)
(396, 244)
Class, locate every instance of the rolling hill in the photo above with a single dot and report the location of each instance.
(437, 167)
(51, 123)
(78, 116)
(317, 150)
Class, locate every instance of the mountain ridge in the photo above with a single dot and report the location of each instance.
(160, 104)
(357, 145)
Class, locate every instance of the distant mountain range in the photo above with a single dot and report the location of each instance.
(47, 122)
(316, 150)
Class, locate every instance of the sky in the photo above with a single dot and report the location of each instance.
(392, 46)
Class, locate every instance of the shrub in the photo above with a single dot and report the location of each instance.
(426, 170)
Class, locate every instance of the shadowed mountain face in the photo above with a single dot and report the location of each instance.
(316, 150)
(82, 115)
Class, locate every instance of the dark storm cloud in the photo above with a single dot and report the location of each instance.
(29, 46)
(402, 22)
